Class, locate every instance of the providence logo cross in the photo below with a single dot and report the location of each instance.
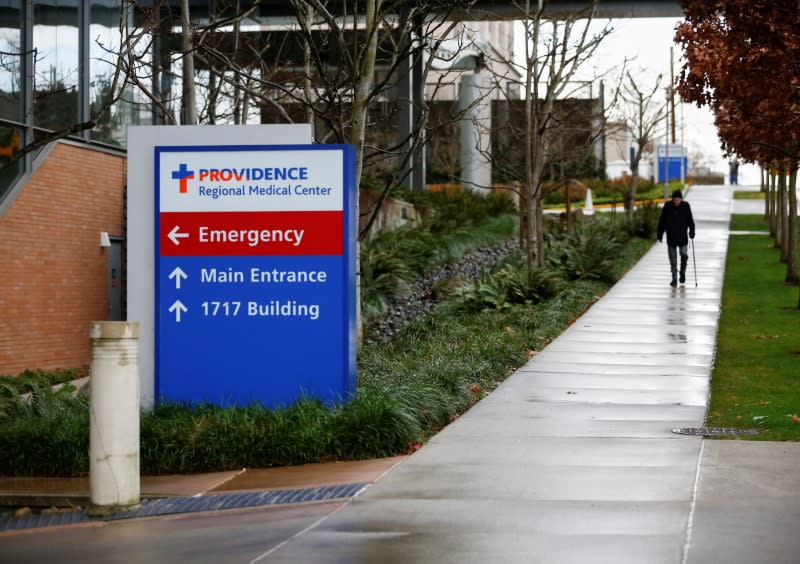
(183, 175)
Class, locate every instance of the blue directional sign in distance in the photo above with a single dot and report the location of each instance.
(255, 273)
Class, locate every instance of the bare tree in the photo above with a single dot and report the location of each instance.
(556, 47)
(327, 68)
(641, 114)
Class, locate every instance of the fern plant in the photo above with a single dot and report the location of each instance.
(514, 283)
(589, 253)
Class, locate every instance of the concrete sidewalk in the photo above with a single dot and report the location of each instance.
(573, 458)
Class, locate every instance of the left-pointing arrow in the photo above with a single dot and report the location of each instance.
(178, 308)
(175, 235)
(177, 274)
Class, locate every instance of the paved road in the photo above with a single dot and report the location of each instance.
(215, 538)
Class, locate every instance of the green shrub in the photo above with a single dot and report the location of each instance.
(383, 270)
(45, 433)
(590, 252)
(512, 284)
(645, 221)
(185, 438)
(459, 210)
(378, 422)
(26, 380)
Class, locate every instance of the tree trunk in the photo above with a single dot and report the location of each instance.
(188, 99)
(531, 90)
(765, 191)
(213, 93)
(630, 198)
(784, 214)
(778, 210)
(363, 87)
(307, 91)
(535, 143)
(791, 228)
(534, 251)
(523, 216)
(773, 206)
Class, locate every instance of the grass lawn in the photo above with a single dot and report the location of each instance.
(748, 222)
(755, 379)
(747, 195)
(751, 222)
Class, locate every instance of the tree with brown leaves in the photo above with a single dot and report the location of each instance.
(743, 62)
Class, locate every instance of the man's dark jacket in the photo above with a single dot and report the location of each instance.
(676, 220)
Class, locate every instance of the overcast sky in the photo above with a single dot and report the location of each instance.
(648, 40)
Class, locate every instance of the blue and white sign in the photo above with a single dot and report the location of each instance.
(255, 273)
(671, 162)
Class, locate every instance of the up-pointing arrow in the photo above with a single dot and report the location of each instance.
(175, 235)
(178, 307)
(177, 274)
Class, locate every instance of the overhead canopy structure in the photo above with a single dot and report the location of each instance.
(476, 9)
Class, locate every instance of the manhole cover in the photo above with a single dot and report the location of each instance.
(715, 431)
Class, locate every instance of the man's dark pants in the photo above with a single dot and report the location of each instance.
(673, 260)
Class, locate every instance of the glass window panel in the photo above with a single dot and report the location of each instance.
(10, 140)
(132, 108)
(55, 39)
(11, 61)
(104, 43)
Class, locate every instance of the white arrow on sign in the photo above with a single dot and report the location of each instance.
(175, 236)
(177, 274)
(178, 307)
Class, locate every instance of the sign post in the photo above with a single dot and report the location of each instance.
(254, 274)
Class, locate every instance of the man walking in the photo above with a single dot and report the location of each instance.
(734, 170)
(676, 219)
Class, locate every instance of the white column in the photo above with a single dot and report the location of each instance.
(114, 416)
(476, 125)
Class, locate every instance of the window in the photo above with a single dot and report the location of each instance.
(56, 62)
(104, 44)
(11, 87)
(11, 62)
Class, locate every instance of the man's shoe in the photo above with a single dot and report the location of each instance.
(673, 283)
(683, 277)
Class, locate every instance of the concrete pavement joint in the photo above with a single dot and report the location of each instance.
(309, 528)
(693, 505)
(221, 482)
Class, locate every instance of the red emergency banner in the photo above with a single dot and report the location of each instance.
(270, 233)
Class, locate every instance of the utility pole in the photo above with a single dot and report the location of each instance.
(666, 144)
(671, 94)
(683, 150)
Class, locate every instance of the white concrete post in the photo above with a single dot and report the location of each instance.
(476, 138)
(114, 416)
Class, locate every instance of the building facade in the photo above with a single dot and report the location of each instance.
(61, 203)
(62, 141)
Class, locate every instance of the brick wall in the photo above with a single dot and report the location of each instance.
(52, 268)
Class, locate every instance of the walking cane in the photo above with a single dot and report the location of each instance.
(694, 261)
